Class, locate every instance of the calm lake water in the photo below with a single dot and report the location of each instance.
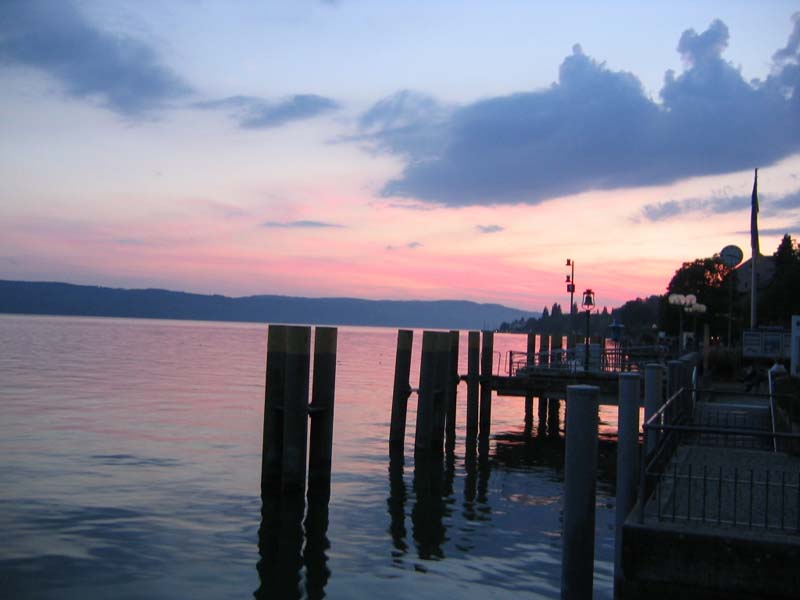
(131, 457)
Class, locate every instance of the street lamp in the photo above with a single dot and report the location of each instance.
(695, 310)
(683, 302)
(571, 290)
(588, 304)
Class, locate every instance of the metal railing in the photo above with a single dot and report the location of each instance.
(752, 490)
(573, 359)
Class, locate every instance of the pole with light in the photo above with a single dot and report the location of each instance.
(571, 290)
(682, 302)
(588, 305)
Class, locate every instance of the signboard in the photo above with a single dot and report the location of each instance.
(766, 343)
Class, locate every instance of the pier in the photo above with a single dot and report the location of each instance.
(708, 491)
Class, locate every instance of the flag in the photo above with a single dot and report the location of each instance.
(754, 217)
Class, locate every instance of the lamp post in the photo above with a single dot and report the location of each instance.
(571, 290)
(695, 310)
(682, 302)
(587, 304)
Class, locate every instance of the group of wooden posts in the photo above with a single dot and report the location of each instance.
(438, 383)
(286, 441)
(438, 386)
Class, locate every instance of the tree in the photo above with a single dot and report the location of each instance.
(781, 299)
(711, 282)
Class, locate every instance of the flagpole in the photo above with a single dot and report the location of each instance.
(755, 250)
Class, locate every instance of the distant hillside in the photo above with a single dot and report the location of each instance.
(39, 298)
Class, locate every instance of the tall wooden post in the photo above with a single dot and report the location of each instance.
(321, 410)
(272, 439)
(442, 351)
(530, 362)
(451, 389)
(402, 387)
(295, 409)
(425, 397)
(580, 472)
(473, 362)
(487, 359)
(653, 399)
(627, 460)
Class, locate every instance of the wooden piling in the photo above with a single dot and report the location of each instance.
(530, 361)
(451, 390)
(320, 448)
(425, 397)
(442, 352)
(580, 472)
(487, 359)
(295, 409)
(473, 362)
(402, 387)
(272, 438)
(653, 399)
(629, 396)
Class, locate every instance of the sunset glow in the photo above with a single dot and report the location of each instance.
(257, 156)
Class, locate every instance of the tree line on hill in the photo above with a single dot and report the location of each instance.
(711, 282)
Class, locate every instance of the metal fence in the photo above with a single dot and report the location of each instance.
(571, 360)
(703, 468)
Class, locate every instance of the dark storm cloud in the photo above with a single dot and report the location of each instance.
(257, 113)
(123, 74)
(788, 202)
(593, 129)
(299, 225)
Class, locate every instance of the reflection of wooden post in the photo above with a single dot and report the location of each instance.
(487, 358)
(272, 444)
(402, 388)
(580, 472)
(295, 409)
(553, 416)
(442, 352)
(427, 383)
(473, 362)
(451, 389)
(320, 446)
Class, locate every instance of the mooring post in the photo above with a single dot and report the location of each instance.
(442, 352)
(653, 399)
(473, 362)
(544, 350)
(320, 447)
(487, 359)
(427, 388)
(530, 361)
(556, 344)
(627, 460)
(272, 439)
(402, 387)
(580, 472)
(451, 390)
(295, 409)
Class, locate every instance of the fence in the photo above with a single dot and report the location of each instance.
(703, 468)
(571, 360)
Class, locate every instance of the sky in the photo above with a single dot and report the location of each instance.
(393, 150)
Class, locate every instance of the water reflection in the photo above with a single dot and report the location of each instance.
(281, 538)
